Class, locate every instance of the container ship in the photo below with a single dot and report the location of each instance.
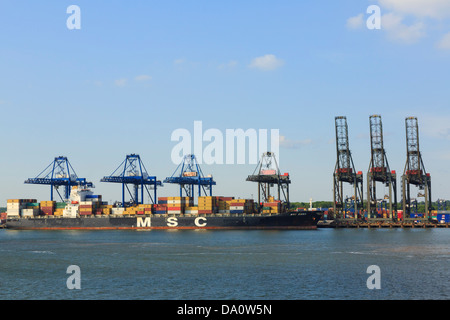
(86, 211)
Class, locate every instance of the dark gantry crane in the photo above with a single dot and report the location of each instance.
(59, 173)
(189, 175)
(133, 172)
(415, 173)
(345, 172)
(379, 171)
(267, 174)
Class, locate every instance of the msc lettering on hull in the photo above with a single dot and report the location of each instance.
(170, 222)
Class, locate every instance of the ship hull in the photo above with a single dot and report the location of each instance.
(286, 221)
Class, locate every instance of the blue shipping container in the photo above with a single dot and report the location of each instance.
(445, 218)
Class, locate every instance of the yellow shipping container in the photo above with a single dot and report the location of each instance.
(206, 206)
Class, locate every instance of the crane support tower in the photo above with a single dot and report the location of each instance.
(189, 175)
(379, 171)
(415, 173)
(132, 172)
(345, 172)
(60, 173)
(267, 174)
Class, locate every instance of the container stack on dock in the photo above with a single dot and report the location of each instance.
(443, 216)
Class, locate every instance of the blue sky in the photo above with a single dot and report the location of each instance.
(138, 70)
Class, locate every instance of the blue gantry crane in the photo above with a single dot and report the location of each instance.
(133, 172)
(59, 173)
(189, 175)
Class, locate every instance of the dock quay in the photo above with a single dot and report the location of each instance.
(379, 224)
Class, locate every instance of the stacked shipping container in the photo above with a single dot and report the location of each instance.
(47, 207)
(15, 207)
(174, 205)
(207, 205)
(271, 206)
(93, 205)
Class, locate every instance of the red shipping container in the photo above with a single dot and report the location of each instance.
(205, 211)
(174, 208)
(226, 198)
(237, 204)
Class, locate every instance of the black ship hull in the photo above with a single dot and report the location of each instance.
(295, 220)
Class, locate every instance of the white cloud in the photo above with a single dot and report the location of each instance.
(445, 42)
(408, 21)
(393, 24)
(436, 9)
(120, 82)
(356, 22)
(266, 63)
(293, 144)
(143, 77)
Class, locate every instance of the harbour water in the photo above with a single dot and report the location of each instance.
(224, 265)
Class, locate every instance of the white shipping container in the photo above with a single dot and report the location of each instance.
(236, 207)
(70, 212)
(117, 210)
(13, 205)
(13, 213)
(29, 212)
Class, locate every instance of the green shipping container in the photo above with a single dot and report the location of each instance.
(33, 204)
(60, 205)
